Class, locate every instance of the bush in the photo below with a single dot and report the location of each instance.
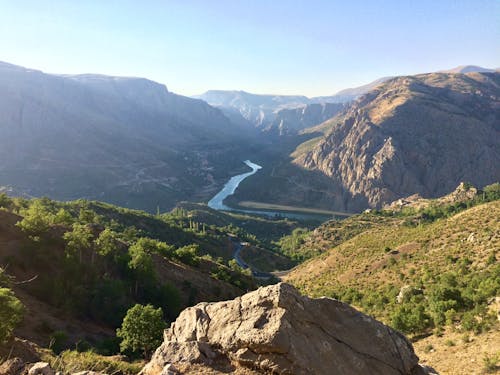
(491, 362)
(410, 318)
(11, 313)
(188, 255)
(58, 341)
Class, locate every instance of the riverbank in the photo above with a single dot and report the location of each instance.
(279, 207)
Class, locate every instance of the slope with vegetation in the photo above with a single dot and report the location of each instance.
(427, 270)
(78, 266)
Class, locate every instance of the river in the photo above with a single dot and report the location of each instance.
(217, 202)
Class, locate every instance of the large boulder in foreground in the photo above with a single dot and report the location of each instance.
(276, 330)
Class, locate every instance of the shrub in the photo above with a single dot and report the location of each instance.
(11, 313)
(491, 362)
(58, 341)
(409, 318)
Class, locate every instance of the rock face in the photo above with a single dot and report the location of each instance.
(291, 121)
(419, 134)
(258, 110)
(276, 330)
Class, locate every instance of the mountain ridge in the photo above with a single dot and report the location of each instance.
(392, 131)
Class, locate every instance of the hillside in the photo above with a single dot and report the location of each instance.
(78, 266)
(425, 271)
(124, 140)
(417, 134)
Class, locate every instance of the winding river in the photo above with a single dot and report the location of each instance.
(217, 202)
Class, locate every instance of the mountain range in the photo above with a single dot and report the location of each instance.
(416, 134)
(130, 141)
(126, 140)
(272, 112)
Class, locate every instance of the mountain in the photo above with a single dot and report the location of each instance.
(468, 69)
(347, 95)
(257, 109)
(292, 121)
(282, 114)
(124, 140)
(415, 134)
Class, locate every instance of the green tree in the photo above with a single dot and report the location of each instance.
(79, 239)
(5, 201)
(11, 313)
(106, 242)
(37, 218)
(63, 217)
(142, 329)
(141, 262)
(188, 254)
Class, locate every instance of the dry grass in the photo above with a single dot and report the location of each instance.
(465, 357)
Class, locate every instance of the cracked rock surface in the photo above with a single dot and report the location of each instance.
(275, 330)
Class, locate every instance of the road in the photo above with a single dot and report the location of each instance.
(238, 246)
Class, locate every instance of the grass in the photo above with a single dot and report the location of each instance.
(70, 361)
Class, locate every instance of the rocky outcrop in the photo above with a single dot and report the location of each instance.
(276, 330)
(291, 121)
(413, 135)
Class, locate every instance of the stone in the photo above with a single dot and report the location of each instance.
(170, 369)
(13, 366)
(276, 330)
(41, 368)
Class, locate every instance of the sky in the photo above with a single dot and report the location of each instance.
(306, 47)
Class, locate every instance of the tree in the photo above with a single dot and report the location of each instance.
(37, 218)
(79, 239)
(63, 217)
(106, 242)
(5, 201)
(11, 313)
(142, 329)
(141, 262)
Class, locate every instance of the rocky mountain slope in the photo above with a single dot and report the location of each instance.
(276, 330)
(258, 110)
(292, 121)
(417, 134)
(282, 114)
(469, 69)
(350, 94)
(124, 140)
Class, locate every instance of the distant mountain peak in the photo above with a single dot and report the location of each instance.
(468, 69)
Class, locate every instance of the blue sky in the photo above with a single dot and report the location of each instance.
(308, 47)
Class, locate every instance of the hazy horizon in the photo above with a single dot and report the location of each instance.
(312, 48)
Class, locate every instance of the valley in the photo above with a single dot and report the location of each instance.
(116, 192)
